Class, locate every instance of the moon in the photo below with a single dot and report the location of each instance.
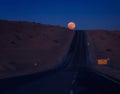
(71, 25)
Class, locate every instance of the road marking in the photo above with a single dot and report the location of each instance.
(71, 91)
(73, 82)
(75, 76)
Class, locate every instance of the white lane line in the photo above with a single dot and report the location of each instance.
(88, 43)
(71, 91)
(75, 76)
(73, 82)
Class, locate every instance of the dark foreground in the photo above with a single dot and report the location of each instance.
(72, 77)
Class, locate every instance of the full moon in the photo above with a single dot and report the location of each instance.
(71, 25)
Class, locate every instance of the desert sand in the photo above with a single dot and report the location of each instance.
(29, 47)
(105, 45)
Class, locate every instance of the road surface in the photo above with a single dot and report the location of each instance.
(71, 77)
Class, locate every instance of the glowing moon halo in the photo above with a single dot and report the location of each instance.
(71, 25)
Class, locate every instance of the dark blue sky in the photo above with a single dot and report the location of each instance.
(87, 14)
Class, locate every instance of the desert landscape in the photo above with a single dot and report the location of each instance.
(105, 44)
(29, 47)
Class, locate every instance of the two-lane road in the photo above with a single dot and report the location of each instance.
(88, 81)
(71, 77)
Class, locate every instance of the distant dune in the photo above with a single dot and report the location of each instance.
(105, 45)
(27, 47)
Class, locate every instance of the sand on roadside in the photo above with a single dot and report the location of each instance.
(28, 47)
(105, 45)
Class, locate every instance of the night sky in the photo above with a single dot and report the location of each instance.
(87, 14)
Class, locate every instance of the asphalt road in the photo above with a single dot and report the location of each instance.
(90, 82)
(71, 77)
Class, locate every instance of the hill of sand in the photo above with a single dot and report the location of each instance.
(105, 45)
(27, 47)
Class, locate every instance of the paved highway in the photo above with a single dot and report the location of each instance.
(71, 77)
(89, 81)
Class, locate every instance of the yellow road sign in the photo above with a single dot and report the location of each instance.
(102, 61)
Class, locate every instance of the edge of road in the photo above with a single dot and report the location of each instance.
(61, 62)
(106, 76)
(17, 80)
